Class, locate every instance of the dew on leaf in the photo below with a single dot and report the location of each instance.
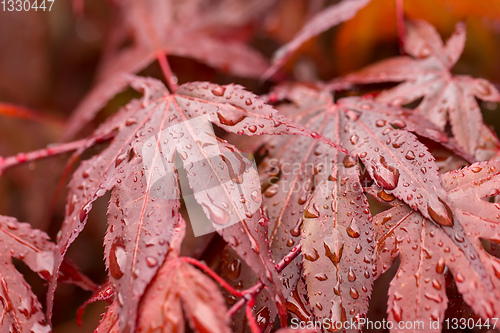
(397, 312)
(321, 277)
(354, 293)
(117, 258)
(151, 262)
(231, 117)
(440, 266)
(440, 213)
(351, 276)
(219, 91)
(410, 155)
(310, 256)
(311, 211)
(255, 196)
(353, 229)
(334, 257)
(349, 161)
(386, 176)
(387, 197)
(217, 215)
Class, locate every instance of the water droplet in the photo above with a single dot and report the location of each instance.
(353, 115)
(130, 121)
(397, 312)
(386, 176)
(380, 123)
(311, 211)
(310, 256)
(433, 297)
(354, 293)
(248, 101)
(321, 277)
(219, 91)
(336, 289)
(354, 139)
(231, 117)
(295, 231)
(217, 215)
(262, 318)
(235, 175)
(234, 269)
(476, 169)
(358, 249)
(440, 266)
(303, 198)
(441, 213)
(410, 155)
(349, 161)
(353, 229)
(271, 190)
(398, 123)
(252, 128)
(387, 197)
(351, 276)
(117, 258)
(255, 196)
(151, 262)
(459, 238)
(436, 284)
(334, 257)
(314, 135)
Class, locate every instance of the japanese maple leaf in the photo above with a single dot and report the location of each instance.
(427, 74)
(425, 249)
(139, 167)
(176, 286)
(151, 28)
(21, 310)
(316, 191)
(322, 21)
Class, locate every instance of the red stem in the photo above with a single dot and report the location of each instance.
(21, 158)
(213, 275)
(252, 323)
(400, 21)
(256, 288)
(167, 71)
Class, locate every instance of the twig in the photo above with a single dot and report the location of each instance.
(21, 158)
(257, 288)
(213, 275)
(254, 327)
(16, 111)
(167, 71)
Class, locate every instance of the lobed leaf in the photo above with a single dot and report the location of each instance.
(426, 250)
(446, 97)
(319, 23)
(139, 167)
